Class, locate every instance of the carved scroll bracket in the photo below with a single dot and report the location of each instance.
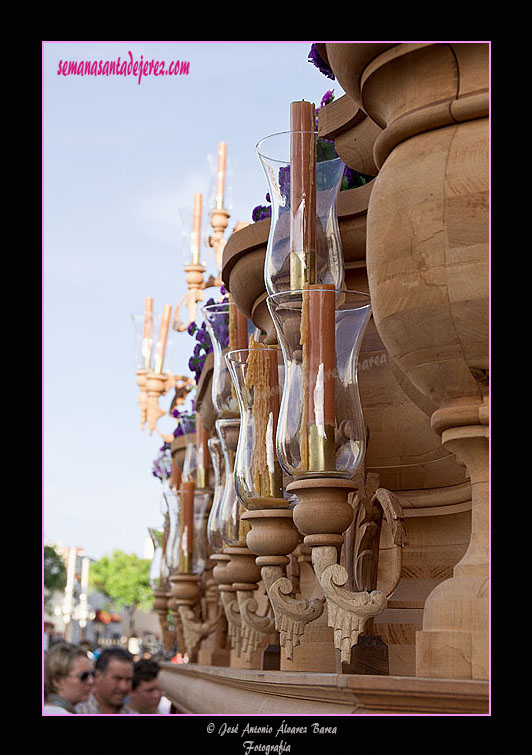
(348, 611)
(194, 630)
(234, 619)
(322, 514)
(272, 537)
(255, 629)
(371, 504)
(291, 614)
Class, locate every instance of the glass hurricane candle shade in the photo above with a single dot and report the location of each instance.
(158, 574)
(232, 530)
(321, 431)
(172, 507)
(214, 530)
(144, 335)
(200, 549)
(257, 375)
(187, 550)
(300, 252)
(219, 320)
(187, 423)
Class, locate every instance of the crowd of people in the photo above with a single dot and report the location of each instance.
(110, 681)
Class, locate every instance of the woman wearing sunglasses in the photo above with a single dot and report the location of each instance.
(68, 678)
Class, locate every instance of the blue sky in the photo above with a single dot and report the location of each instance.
(119, 160)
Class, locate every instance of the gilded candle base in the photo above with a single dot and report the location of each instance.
(321, 448)
(303, 269)
(185, 563)
(201, 478)
(276, 482)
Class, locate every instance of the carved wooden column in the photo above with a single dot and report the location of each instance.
(229, 603)
(455, 634)
(428, 268)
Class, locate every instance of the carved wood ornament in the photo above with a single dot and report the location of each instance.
(322, 515)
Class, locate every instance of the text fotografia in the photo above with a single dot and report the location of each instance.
(127, 67)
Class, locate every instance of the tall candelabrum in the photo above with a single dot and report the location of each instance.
(149, 358)
(194, 234)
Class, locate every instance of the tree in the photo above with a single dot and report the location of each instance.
(55, 575)
(123, 579)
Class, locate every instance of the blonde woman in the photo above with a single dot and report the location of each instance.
(68, 679)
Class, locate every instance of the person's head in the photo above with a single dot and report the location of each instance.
(114, 675)
(68, 673)
(146, 693)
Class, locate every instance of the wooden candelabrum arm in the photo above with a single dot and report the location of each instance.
(219, 222)
(157, 384)
(322, 515)
(273, 536)
(195, 630)
(371, 505)
(142, 399)
(291, 614)
(190, 300)
(347, 611)
(196, 287)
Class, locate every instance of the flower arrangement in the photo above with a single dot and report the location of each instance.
(203, 344)
(162, 465)
(315, 58)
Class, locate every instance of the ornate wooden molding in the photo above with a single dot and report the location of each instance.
(211, 690)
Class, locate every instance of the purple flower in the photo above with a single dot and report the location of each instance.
(315, 58)
(327, 97)
(162, 465)
(261, 212)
